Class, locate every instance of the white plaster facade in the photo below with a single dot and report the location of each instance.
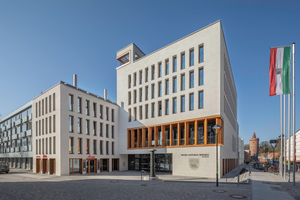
(60, 132)
(292, 146)
(220, 96)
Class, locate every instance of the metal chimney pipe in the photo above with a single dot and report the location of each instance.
(75, 80)
(105, 94)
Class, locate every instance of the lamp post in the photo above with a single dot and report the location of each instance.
(217, 129)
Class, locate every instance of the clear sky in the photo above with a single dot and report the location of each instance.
(43, 42)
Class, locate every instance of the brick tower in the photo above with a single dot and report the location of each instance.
(254, 146)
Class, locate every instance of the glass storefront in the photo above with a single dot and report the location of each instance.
(163, 162)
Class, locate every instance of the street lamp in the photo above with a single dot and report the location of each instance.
(217, 129)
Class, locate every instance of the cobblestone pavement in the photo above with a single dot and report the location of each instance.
(25, 185)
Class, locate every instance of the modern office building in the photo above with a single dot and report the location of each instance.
(241, 150)
(171, 98)
(74, 132)
(16, 137)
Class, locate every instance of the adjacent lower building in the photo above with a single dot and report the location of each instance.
(171, 99)
(16, 138)
(297, 150)
(74, 132)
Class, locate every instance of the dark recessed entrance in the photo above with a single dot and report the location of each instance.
(163, 162)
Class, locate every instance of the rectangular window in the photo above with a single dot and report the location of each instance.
(107, 147)
(134, 113)
(153, 110)
(129, 98)
(46, 125)
(112, 115)
(134, 79)
(134, 96)
(201, 54)
(182, 86)
(146, 93)
(54, 126)
(141, 94)
(174, 105)
(167, 67)
(87, 127)
(191, 57)
(174, 64)
(54, 145)
(94, 128)
(101, 112)
(167, 87)
(129, 115)
(101, 147)
(112, 131)
(50, 105)
(107, 114)
(43, 107)
(36, 110)
(101, 130)
(112, 148)
(87, 146)
(71, 145)
(94, 146)
(153, 72)
(191, 101)
(159, 69)
(46, 145)
(159, 108)
(71, 102)
(79, 105)
(153, 91)
(146, 111)
(50, 145)
(191, 79)
(174, 84)
(53, 101)
(146, 75)
(71, 124)
(42, 146)
(167, 107)
(182, 107)
(141, 112)
(39, 108)
(50, 125)
(159, 89)
(46, 105)
(107, 131)
(201, 76)
(141, 77)
(201, 99)
(182, 61)
(87, 107)
(79, 145)
(79, 125)
(94, 109)
(129, 81)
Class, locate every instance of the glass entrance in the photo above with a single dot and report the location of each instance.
(163, 162)
(104, 165)
(92, 166)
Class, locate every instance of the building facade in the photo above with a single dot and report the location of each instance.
(74, 132)
(292, 146)
(170, 100)
(241, 150)
(16, 138)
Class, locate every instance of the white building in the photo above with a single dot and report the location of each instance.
(171, 98)
(241, 150)
(15, 138)
(292, 146)
(74, 131)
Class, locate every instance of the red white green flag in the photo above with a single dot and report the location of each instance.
(279, 72)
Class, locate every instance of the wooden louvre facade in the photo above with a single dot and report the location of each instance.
(186, 133)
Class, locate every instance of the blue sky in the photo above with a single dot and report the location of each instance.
(43, 42)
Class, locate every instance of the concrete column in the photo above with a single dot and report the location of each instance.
(205, 131)
(171, 135)
(152, 163)
(196, 132)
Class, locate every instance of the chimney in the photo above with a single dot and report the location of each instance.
(75, 80)
(105, 94)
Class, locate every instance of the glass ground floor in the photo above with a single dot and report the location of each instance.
(163, 162)
(22, 163)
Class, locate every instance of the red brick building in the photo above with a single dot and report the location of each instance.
(254, 142)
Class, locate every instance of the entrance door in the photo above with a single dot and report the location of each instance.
(52, 166)
(45, 166)
(105, 165)
(38, 165)
(92, 166)
(115, 163)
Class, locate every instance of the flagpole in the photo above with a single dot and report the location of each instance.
(281, 137)
(284, 131)
(289, 136)
(294, 149)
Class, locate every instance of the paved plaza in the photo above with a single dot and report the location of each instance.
(22, 184)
